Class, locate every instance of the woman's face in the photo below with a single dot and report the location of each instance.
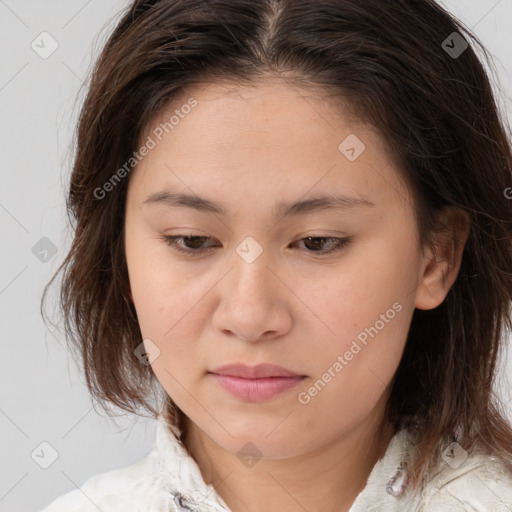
(255, 289)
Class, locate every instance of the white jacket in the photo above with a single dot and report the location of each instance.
(168, 479)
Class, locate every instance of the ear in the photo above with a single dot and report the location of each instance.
(442, 259)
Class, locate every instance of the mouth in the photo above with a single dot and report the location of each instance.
(255, 372)
(256, 390)
(255, 384)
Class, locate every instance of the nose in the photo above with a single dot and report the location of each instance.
(254, 304)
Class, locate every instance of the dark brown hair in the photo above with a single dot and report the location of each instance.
(394, 63)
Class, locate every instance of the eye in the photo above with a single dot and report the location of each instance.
(193, 244)
(316, 242)
(195, 240)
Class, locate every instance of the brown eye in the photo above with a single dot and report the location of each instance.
(315, 243)
(194, 244)
(191, 243)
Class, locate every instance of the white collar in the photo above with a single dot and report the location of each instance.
(182, 477)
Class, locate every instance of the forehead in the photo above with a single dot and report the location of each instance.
(263, 140)
(273, 110)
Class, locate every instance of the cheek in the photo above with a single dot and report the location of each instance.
(363, 315)
(161, 292)
(168, 315)
(148, 286)
(353, 367)
(166, 305)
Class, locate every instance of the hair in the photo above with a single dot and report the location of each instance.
(439, 120)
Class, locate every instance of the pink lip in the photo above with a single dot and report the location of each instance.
(254, 372)
(256, 390)
(255, 384)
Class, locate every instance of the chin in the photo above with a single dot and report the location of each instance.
(257, 443)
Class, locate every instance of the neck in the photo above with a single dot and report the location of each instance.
(328, 478)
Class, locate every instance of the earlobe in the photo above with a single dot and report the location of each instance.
(442, 259)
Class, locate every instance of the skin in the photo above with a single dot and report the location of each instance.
(249, 148)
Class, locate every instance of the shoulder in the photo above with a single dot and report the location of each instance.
(113, 490)
(479, 483)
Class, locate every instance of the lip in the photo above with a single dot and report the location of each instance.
(256, 390)
(254, 372)
(257, 383)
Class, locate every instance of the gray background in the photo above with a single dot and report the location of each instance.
(42, 393)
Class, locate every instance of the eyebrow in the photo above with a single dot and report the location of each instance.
(283, 209)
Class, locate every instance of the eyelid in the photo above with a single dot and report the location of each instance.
(171, 241)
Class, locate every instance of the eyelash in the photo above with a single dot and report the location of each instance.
(171, 241)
